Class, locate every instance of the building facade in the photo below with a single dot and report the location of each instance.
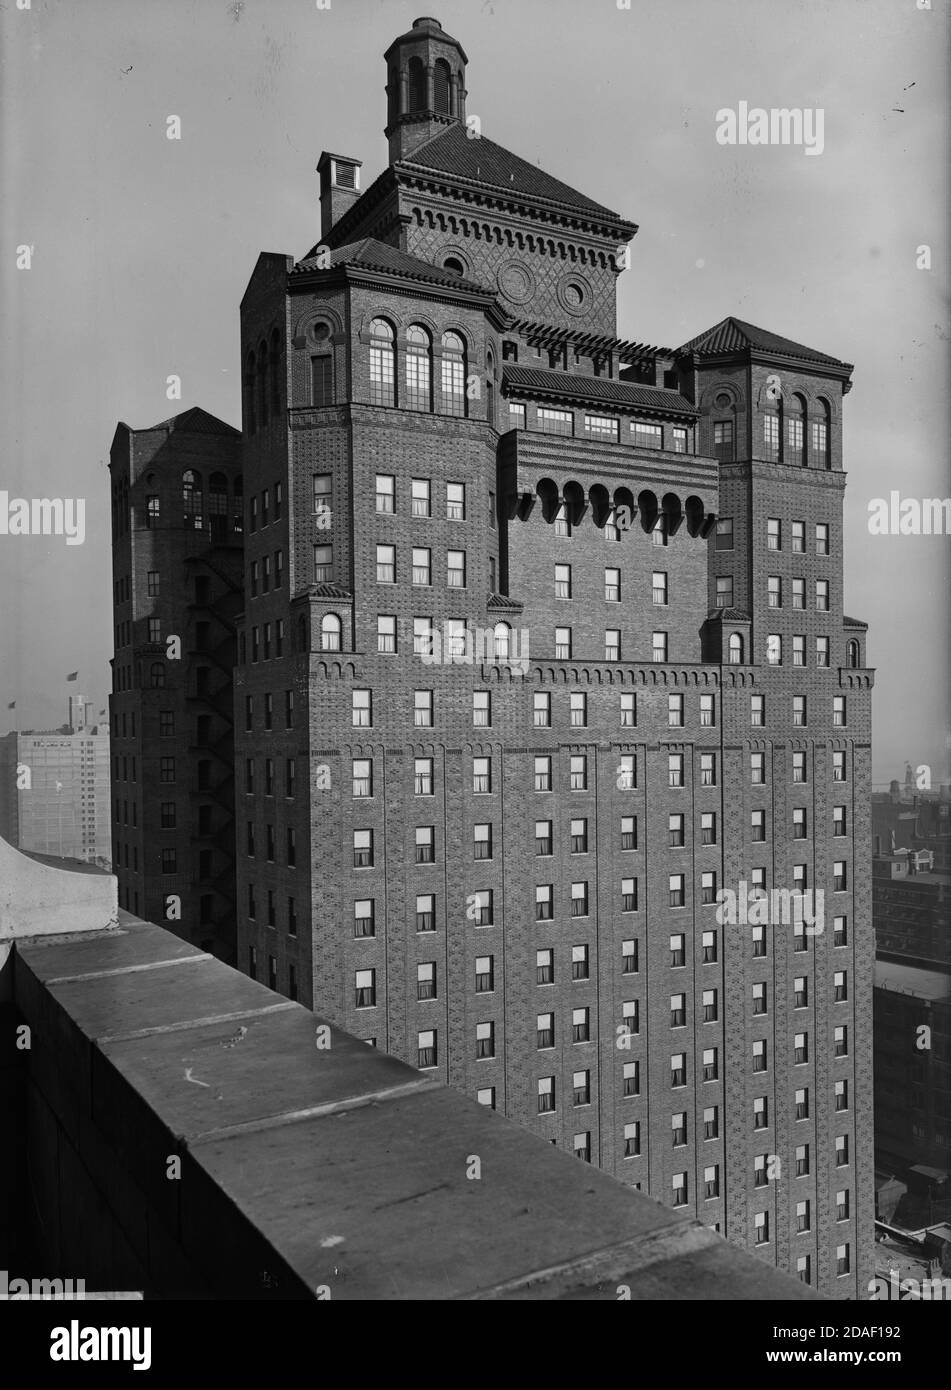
(177, 517)
(54, 793)
(563, 660)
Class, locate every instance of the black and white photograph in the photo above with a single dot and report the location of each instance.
(475, 789)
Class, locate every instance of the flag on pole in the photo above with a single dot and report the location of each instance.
(12, 704)
(73, 675)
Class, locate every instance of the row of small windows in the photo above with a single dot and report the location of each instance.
(270, 844)
(787, 445)
(774, 590)
(267, 703)
(202, 509)
(262, 512)
(385, 496)
(774, 535)
(272, 972)
(642, 434)
(271, 910)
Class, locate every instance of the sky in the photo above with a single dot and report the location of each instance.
(141, 246)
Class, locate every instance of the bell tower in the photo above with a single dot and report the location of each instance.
(425, 86)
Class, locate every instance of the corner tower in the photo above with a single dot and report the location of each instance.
(425, 86)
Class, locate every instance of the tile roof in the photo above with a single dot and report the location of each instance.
(853, 622)
(732, 615)
(452, 152)
(195, 421)
(379, 255)
(625, 394)
(733, 335)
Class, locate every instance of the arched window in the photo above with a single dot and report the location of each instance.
(191, 498)
(442, 88)
(322, 367)
(157, 675)
(262, 383)
(417, 85)
(454, 264)
(735, 649)
(418, 369)
(330, 633)
(275, 364)
(382, 364)
(795, 416)
(249, 383)
(502, 638)
(852, 655)
(821, 435)
(453, 374)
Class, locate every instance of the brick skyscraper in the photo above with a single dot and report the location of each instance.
(510, 874)
(177, 515)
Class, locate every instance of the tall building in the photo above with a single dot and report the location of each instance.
(543, 652)
(177, 516)
(54, 793)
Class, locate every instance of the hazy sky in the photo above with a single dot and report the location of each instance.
(143, 246)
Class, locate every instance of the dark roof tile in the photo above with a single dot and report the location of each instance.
(379, 255)
(733, 335)
(626, 395)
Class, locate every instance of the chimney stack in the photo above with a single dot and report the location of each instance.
(339, 189)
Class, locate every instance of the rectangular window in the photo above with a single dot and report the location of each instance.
(420, 499)
(455, 569)
(676, 890)
(647, 436)
(578, 710)
(555, 421)
(678, 440)
(485, 1040)
(579, 899)
(775, 591)
(482, 841)
(770, 435)
(612, 586)
(822, 538)
(708, 945)
(724, 533)
(708, 711)
(723, 440)
(426, 980)
(562, 643)
(675, 769)
(628, 709)
(563, 581)
(612, 644)
(774, 534)
(822, 651)
(385, 492)
(562, 521)
(628, 833)
(601, 426)
(658, 646)
(422, 566)
(677, 958)
(822, 595)
(758, 711)
(799, 537)
(675, 830)
(385, 564)
(546, 1094)
(799, 594)
(708, 769)
(426, 1053)
(659, 587)
(545, 1031)
(544, 967)
(543, 838)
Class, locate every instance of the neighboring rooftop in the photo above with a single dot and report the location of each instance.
(370, 254)
(933, 985)
(599, 389)
(733, 335)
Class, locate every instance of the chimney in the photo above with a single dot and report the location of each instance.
(339, 188)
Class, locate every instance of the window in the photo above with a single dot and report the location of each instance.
(546, 1094)
(578, 772)
(678, 1069)
(723, 440)
(675, 711)
(760, 1113)
(629, 957)
(802, 1160)
(425, 912)
(757, 769)
(426, 1050)
(425, 844)
(581, 1145)
(774, 586)
(711, 1067)
(771, 435)
(840, 987)
(708, 948)
(759, 997)
(677, 958)
(724, 533)
(362, 774)
(423, 777)
(563, 581)
(840, 932)
(542, 837)
(679, 1186)
(541, 717)
(455, 501)
(799, 822)
(841, 1093)
(481, 775)
(612, 644)
(774, 649)
(543, 774)
(760, 1165)
(758, 711)
(579, 963)
(167, 769)
(822, 538)
(659, 587)
(799, 767)
(382, 359)
(420, 502)
(761, 1228)
(659, 646)
(759, 1055)
(774, 534)
(628, 710)
(578, 710)
(385, 492)
(631, 1079)
(365, 989)
(628, 833)
(799, 594)
(422, 566)
(363, 849)
(418, 369)
(675, 830)
(612, 586)
(601, 426)
(647, 436)
(802, 1217)
(455, 569)
(362, 716)
(628, 894)
(801, 1049)
(544, 967)
(386, 564)
(822, 595)
(422, 636)
(545, 1031)
(708, 769)
(386, 634)
(453, 378)
(555, 421)
(802, 1104)
(711, 1182)
(711, 1122)
(484, 903)
(675, 769)
(579, 836)
(579, 900)
(562, 643)
(516, 415)
(484, 974)
(708, 711)
(562, 522)
(678, 1129)
(708, 887)
(485, 1040)
(678, 440)
(544, 907)
(842, 1265)
(632, 1139)
(659, 533)
(678, 1011)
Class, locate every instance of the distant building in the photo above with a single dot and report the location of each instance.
(177, 510)
(911, 909)
(54, 794)
(912, 1012)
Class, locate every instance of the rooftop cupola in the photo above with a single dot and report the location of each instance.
(425, 86)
